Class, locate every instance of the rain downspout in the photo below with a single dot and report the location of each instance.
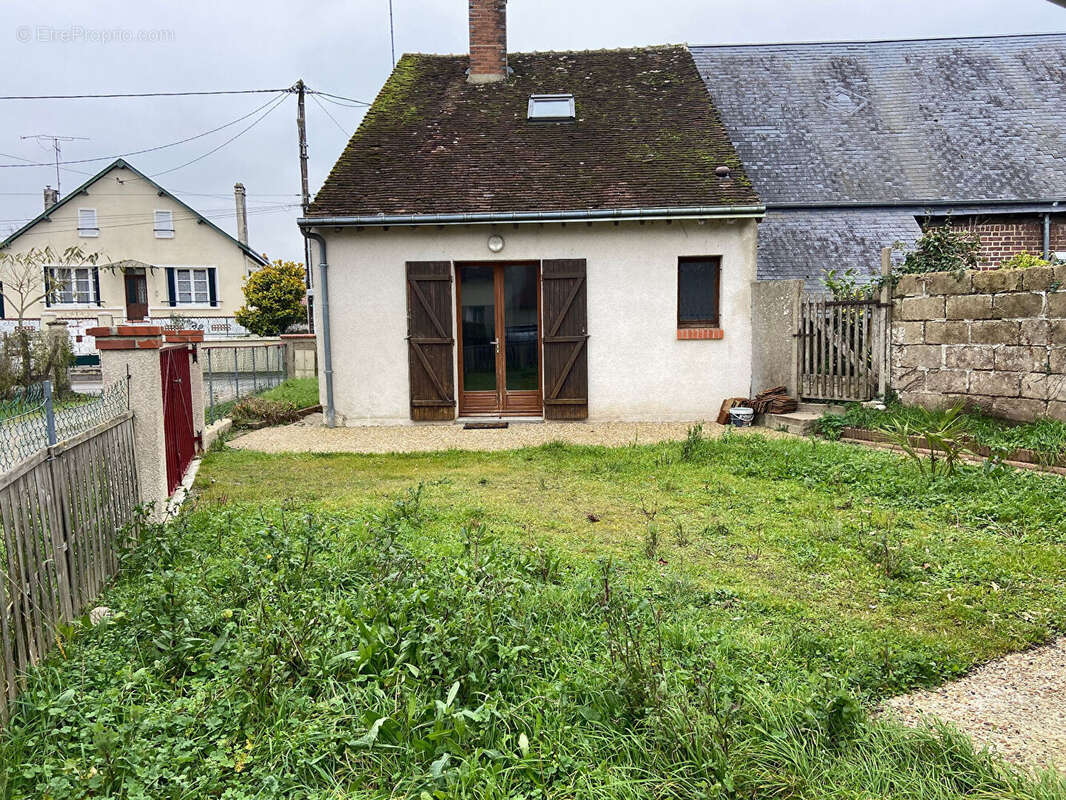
(1047, 237)
(322, 301)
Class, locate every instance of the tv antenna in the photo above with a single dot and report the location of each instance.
(41, 138)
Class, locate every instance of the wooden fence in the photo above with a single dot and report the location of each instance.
(841, 348)
(62, 512)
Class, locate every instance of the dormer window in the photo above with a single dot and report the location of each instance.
(552, 108)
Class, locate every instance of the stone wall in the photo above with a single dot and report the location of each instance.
(774, 345)
(996, 339)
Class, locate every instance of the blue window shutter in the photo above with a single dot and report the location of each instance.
(2, 314)
(172, 291)
(48, 286)
(96, 285)
(211, 287)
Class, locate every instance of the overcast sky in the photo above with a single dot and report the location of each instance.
(340, 47)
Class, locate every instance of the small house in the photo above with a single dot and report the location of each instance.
(565, 235)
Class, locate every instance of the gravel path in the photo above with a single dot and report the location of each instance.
(1016, 705)
(308, 436)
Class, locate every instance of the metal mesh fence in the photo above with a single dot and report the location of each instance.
(34, 419)
(232, 373)
(23, 425)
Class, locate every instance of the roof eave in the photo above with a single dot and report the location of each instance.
(527, 217)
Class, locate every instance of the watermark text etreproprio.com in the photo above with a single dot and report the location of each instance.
(82, 34)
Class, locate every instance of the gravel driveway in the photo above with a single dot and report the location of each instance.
(1016, 705)
(308, 436)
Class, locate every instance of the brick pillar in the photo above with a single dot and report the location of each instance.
(192, 338)
(134, 350)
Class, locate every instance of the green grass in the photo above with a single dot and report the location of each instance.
(454, 624)
(1046, 437)
(301, 392)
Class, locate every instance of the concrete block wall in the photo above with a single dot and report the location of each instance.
(996, 339)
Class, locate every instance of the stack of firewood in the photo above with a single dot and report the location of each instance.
(774, 401)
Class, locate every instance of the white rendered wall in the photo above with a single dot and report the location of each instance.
(638, 370)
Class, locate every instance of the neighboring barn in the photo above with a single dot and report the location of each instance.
(853, 145)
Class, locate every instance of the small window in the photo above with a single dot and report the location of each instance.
(164, 224)
(551, 107)
(698, 283)
(87, 222)
(192, 286)
(73, 286)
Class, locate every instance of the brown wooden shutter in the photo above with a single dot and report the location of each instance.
(430, 344)
(566, 369)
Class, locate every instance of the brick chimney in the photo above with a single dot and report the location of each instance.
(51, 197)
(488, 41)
(242, 213)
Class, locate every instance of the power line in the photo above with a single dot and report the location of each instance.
(145, 150)
(338, 97)
(115, 95)
(256, 121)
(326, 112)
(138, 94)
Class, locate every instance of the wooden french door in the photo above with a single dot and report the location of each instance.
(499, 339)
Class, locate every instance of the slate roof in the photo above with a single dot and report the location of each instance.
(805, 243)
(937, 119)
(646, 136)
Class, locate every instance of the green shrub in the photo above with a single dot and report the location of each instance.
(1023, 260)
(261, 410)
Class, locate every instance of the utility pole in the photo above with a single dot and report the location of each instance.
(392, 35)
(42, 137)
(305, 195)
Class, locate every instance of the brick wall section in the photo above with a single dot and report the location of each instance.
(1004, 237)
(996, 339)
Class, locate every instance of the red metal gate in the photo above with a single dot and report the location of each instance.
(177, 413)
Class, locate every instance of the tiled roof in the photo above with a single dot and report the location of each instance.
(645, 136)
(806, 243)
(937, 119)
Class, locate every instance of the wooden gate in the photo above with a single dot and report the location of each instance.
(841, 348)
(178, 431)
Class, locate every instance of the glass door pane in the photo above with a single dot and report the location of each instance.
(520, 315)
(478, 293)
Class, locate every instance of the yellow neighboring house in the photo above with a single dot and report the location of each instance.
(159, 259)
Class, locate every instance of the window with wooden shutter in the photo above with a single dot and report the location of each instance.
(566, 371)
(430, 343)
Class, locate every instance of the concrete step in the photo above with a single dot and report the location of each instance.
(821, 408)
(798, 422)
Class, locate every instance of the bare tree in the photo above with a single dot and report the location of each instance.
(22, 275)
(23, 284)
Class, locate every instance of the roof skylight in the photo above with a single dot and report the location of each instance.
(551, 107)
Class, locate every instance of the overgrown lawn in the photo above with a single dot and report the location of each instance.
(700, 619)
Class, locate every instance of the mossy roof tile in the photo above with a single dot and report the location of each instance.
(646, 136)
